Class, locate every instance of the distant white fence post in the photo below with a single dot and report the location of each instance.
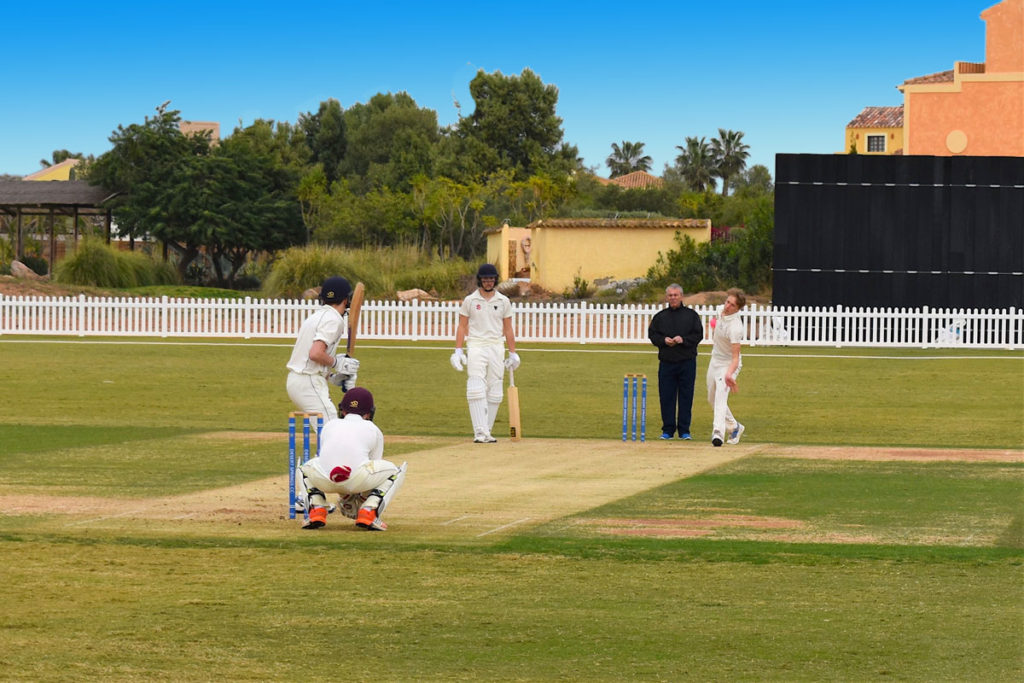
(579, 322)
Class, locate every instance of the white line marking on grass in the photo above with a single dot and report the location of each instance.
(504, 526)
(637, 352)
(100, 519)
(457, 519)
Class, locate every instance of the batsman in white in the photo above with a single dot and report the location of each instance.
(313, 363)
(351, 464)
(724, 366)
(485, 319)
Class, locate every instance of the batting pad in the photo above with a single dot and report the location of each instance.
(390, 493)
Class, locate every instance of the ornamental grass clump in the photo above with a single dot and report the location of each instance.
(98, 264)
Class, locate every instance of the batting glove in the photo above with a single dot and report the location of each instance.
(348, 382)
(512, 362)
(346, 365)
(337, 379)
(458, 360)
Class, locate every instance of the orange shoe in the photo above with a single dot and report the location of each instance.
(367, 519)
(317, 518)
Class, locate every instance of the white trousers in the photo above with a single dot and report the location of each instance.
(363, 479)
(485, 376)
(311, 394)
(718, 397)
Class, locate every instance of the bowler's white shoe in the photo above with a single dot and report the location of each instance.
(734, 438)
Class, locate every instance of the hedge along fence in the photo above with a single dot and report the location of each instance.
(575, 322)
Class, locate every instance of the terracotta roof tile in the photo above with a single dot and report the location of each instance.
(878, 117)
(940, 77)
(637, 180)
(675, 223)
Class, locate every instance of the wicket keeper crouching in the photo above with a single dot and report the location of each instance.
(351, 464)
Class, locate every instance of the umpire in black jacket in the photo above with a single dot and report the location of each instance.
(676, 331)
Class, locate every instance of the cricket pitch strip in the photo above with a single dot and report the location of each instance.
(456, 490)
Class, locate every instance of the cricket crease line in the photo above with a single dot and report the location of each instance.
(100, 519)
(504, 526)
(457, 519)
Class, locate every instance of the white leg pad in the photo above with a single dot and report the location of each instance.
(492, 414)
(395, 483)
(476, 397)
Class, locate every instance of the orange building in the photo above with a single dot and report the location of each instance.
(974, 109)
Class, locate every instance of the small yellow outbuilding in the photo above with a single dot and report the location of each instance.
(555, 252)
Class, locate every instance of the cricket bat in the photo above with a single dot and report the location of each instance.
(515, 428)
(354, 305)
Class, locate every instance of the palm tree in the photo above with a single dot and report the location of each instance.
(59, 155)
(732, 155)
(628, 158)
(697, 164)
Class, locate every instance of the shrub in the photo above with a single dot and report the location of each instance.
(302, 268)
(38, 264)
(383, 271)
(100, 265)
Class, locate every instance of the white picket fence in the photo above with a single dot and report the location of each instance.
(580, 323)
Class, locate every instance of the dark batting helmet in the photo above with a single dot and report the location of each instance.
(335, 290)
(487, 270)
(359, 401)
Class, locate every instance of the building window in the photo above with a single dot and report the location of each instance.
(876, 143)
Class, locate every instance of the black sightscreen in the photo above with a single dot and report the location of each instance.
(899, 231)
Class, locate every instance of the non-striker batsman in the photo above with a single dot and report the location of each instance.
(485, 322)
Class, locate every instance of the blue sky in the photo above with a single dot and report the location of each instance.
(790, 75)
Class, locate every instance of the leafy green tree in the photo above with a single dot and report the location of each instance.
(524, 201)
(754, 182)
(697, 165)
(627, 158)
(249, 197)
(314, 199)
(514, 126)
(230, 199)
(453, 216)
(284, 144)
(731, 155)
(325, 135)
(755, 246)
(390, 140)
(151, 169)
(380, 217)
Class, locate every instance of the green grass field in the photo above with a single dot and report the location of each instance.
(766, 567)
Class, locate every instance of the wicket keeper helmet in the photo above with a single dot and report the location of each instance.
(335, 290)
(487, 270)
(359, 401)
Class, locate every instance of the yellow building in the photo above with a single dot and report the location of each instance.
(876, 130)
(62, 171)
(564, 249)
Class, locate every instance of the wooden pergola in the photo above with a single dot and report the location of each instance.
(74, 198)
